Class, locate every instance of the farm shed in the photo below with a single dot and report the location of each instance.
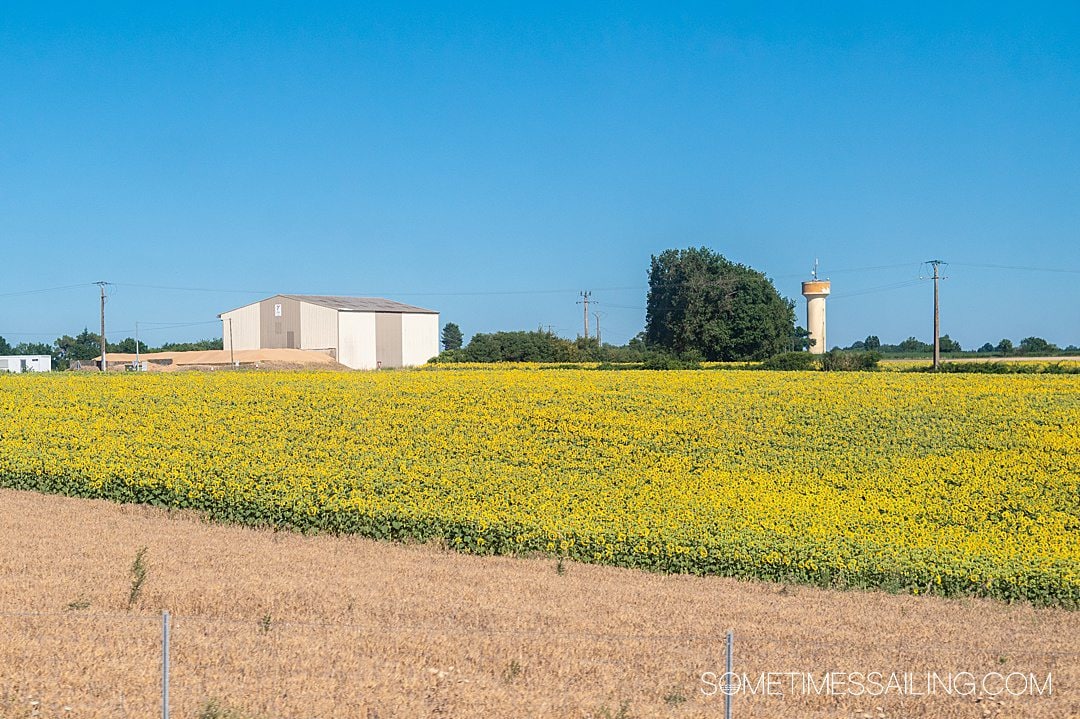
(359, 332)
(25, 363)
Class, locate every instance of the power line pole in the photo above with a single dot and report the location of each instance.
(599, 342)
(232, 349)
(104, 362)
(937, 313)
(585, 301)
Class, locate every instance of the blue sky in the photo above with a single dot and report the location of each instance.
(491, 160)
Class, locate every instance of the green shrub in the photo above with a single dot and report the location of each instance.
(138, 577)
(790, 362)
(999, 368)
(837, 361)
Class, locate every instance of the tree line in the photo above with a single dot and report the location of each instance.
(86, 345)
(702, 307)
(1033, 346)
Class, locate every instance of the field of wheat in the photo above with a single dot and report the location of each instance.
(279, 625)
(951, 485)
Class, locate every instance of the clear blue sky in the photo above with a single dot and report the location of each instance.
(434, 152)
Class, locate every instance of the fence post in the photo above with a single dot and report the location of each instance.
(164, 665)
(728, 676)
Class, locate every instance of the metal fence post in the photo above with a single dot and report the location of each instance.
(729, 677)
(164, 665)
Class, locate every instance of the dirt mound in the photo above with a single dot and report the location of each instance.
(217, 359)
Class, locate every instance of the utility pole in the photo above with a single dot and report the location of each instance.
(599, 342)
(232, 350)
(138, 364)
(585, 301)
(104, 363)
(937, 314)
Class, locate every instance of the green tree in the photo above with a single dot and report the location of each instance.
(1005, 346)
(948, 344)
(800, 339)
(125, 346)
(196, 346)
(987, 348)
(701, 302)
(82, 347)
(451, 336)
(912, 344)
(5, 348)
(637, 343)
(32, 348)
(1035, 345)
(514, 347)
(872, 343)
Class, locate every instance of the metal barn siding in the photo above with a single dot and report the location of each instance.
(244, 328)
(388, 339)
(356, 339)
(419, 338)
(279, 323)
(319, 328)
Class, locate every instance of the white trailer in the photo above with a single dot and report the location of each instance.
(25, 363)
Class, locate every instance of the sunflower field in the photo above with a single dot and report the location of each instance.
(940, 484)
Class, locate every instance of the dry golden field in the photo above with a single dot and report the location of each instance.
(276, 624)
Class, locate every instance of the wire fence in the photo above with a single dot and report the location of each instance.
(91, 664)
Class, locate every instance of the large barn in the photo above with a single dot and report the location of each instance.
(359, 332)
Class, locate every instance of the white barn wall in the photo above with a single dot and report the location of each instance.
(318, 327)
(356, 338)
(245, 328)
(419, 338)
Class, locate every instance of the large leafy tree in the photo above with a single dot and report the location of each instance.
(84, 346)
(948, 344)
(518, 347)
(1035, 345)
(33, 348)
(702, 303)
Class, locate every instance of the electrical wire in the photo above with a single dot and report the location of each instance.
(31, 334)
(193, 289)
(875, 290)
(162, 326)
(872, 268)
(173, 288)
(45, 289)
(1019, 268)
(152, 326)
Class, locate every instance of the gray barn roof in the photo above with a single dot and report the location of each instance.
(359, 304)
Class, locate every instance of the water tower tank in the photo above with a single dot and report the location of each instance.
(815, 291)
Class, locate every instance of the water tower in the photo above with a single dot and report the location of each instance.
(815, 291)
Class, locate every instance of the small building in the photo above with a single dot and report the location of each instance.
(359, 332)
(25, 363)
